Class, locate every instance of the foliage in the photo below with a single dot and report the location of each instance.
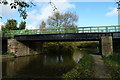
(59, 47)
(11, 24)
(3, 27)
(115, 57)
(113, 64)
(7, 53)
(22, 25)
(89, 45)
(59, 20)
(20, 5)
(84, 69)
(43, 24)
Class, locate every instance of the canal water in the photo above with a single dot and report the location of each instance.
(41, 66)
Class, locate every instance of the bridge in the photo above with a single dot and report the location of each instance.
(64, 34)
(94, 29)
(104, 34)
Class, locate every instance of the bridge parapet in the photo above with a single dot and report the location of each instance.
(96, 29)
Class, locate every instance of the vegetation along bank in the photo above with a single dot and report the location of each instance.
(84, 69)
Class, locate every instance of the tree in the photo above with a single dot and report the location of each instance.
(20, 5)
(3, 27)
(58, 20)
(10, 25)
(43, 24)
(22, 25)
(66, 19)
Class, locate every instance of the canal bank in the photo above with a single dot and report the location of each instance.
(84, 69)
(89, 67)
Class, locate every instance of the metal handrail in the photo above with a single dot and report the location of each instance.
(12, 33)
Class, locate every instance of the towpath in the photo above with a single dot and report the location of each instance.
(100, 68)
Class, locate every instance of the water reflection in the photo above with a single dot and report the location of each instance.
(55, 60)
(77, 55)
(45, 65)
(11, 66)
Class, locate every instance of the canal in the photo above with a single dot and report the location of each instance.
(41, 66)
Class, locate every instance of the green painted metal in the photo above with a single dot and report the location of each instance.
(12, 33)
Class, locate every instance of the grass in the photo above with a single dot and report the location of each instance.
(84, 69)
(113, 65)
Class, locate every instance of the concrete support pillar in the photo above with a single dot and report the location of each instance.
(106, 45)
(22, 48)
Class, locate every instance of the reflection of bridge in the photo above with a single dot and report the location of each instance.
(104, 34)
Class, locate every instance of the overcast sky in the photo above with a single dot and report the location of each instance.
(90, 12)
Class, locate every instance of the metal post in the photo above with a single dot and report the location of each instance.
(106, 29)
(115, 28)
(118, 4)
(90, 29)
(98, 29)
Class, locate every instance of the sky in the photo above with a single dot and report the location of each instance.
(89, 12)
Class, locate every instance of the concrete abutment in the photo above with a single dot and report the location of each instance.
(24, 48)
(106, 45)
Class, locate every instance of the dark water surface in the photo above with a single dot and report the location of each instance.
(40, 66)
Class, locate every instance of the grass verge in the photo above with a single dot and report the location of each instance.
(84, 69)
(113, 65)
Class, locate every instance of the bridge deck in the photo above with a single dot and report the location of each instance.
(67, 36)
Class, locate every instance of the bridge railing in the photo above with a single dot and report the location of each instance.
(11, 33)
(99, 29)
